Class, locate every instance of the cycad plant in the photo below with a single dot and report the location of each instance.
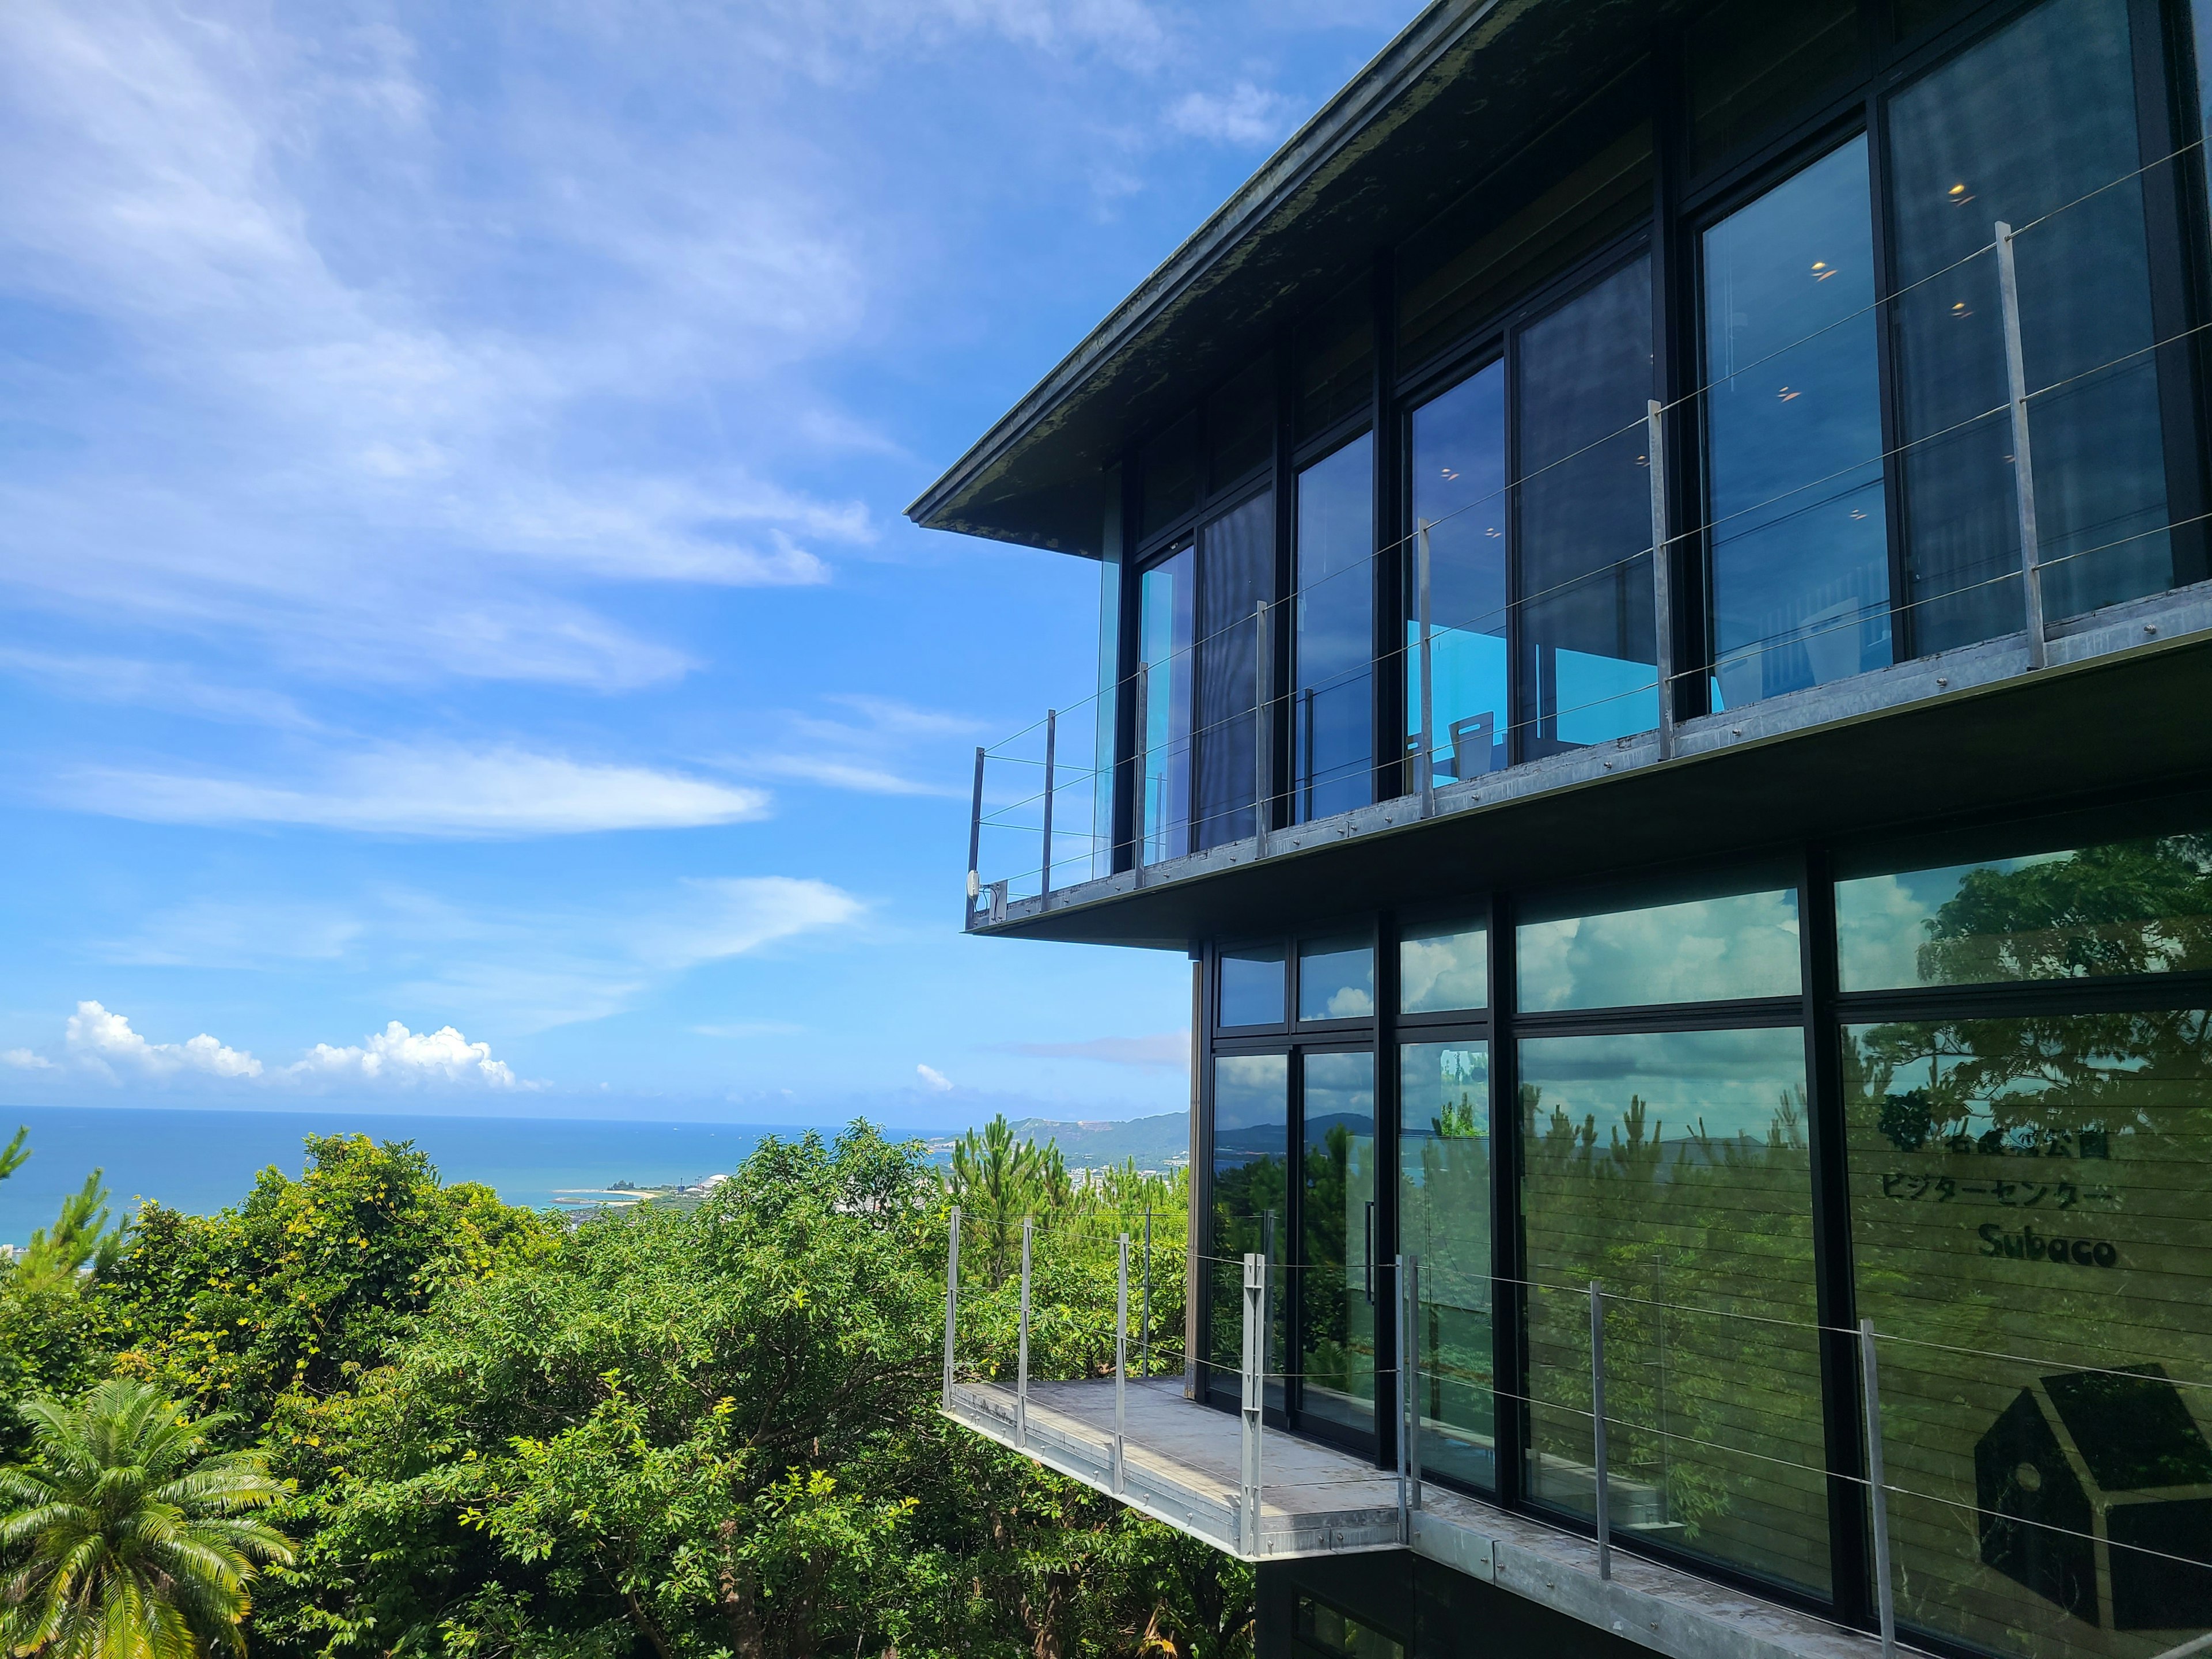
(124, 1536)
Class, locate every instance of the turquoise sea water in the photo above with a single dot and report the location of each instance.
(203, 1161)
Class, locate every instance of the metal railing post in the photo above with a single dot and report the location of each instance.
(1878, 1489)
(1414, 1384)
(1121, 1359)
(951, 1299)
(1051, 739)
(1405, 1400)
(1597, 1430)
(2023, 464)
(1255, 1348)
(1663, 599)
(1263, 746)
(1022, 1361)
(1426, 781)
(975, 845)
(1144, 1322)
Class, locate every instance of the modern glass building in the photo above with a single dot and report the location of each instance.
(1657, 659)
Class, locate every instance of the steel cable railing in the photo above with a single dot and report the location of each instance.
(1160, 764)
(1648, 1450)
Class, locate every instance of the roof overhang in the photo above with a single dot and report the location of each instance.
(1460, 92)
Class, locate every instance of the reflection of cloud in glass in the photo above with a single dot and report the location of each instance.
(1732, 1081)
(1698, 951)
(1249, 1090)
(1351, 1003)
(1882, 921)
(1336, 979)
(1442, 969)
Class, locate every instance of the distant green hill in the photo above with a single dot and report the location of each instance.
(1158, 1143)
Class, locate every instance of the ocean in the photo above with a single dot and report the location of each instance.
(204, 1161)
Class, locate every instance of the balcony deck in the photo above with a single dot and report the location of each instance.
(1181, 1468)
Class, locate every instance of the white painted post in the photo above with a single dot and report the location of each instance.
(951, 1299)
(1022, 1361)
(1597, 1430)
(2023, 465)
(1663, 603)
(1427, 778)
(1145, 1321)
(974, 844)
(1878, 1489)
(1120, 1361)
(1255, 1367)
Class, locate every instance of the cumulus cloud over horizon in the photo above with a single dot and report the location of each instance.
(98, 1041)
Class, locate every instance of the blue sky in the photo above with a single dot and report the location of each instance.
(462, 651)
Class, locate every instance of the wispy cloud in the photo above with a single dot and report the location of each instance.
(174, 687)
(1168, 1050)
(428, 790)
(1245, 114)
(885, 747)
(933, 1080)
(745, 1030)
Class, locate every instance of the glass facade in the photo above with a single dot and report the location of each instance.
(1167, 610)
(1235, 577)
(2020, 1202)
(1332, 710)
(1458, 461)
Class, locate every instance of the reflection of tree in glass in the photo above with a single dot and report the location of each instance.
(1250, 1201)
(2125, 908)
(1977, 1142)
(1685, 1233)
(1328, 1338)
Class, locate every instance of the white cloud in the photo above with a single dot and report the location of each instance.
(875, 752)
(172, 688)
(104, 1041)
(24, 1059)
(1165, 1049)
(933, 1079)
(427, 790)
(1245, 114)
(741, 1029)
(400, 1058)
(730, 915)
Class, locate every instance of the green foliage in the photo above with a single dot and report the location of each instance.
(125, 1537)
(81, 1241)
(15, 1154)
(305, 1279)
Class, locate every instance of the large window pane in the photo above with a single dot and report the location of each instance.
(1332, 725)
(1585, 518)
(1800, 545)
(1170, 476)
(1755, 66)
(1443, 1221)
(1966, 152)
(1335, 363)
(1252, 986)
(2029, 1201)
(1250, 1210)
(1337, 1282)
(1336, 978)
(2134, 907)
(1166, 611)
(1597, 953)
(1441, 966)
(1674, 1170)
(1459, 497)
(1236, 571)
(1240, 425)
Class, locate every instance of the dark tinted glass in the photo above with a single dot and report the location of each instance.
(1336, 363)
(1444, 1219)
(1336, 978)
(1962, 158)
(1337, 1279)
(1331, 722)
(1340, 1635)
(1483, 253)
(1756, 66)
(1674, 1170)
(1914, 17)
(1459, 499)
(1800, 545)
(1442, 966)
(1236, 573)
(1252, 986)
(1170, 474)
(2134, 907)
(1240, 424)
(1166, 598)
(2028, 1205)
(1250, 1210)
(1585, 509)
